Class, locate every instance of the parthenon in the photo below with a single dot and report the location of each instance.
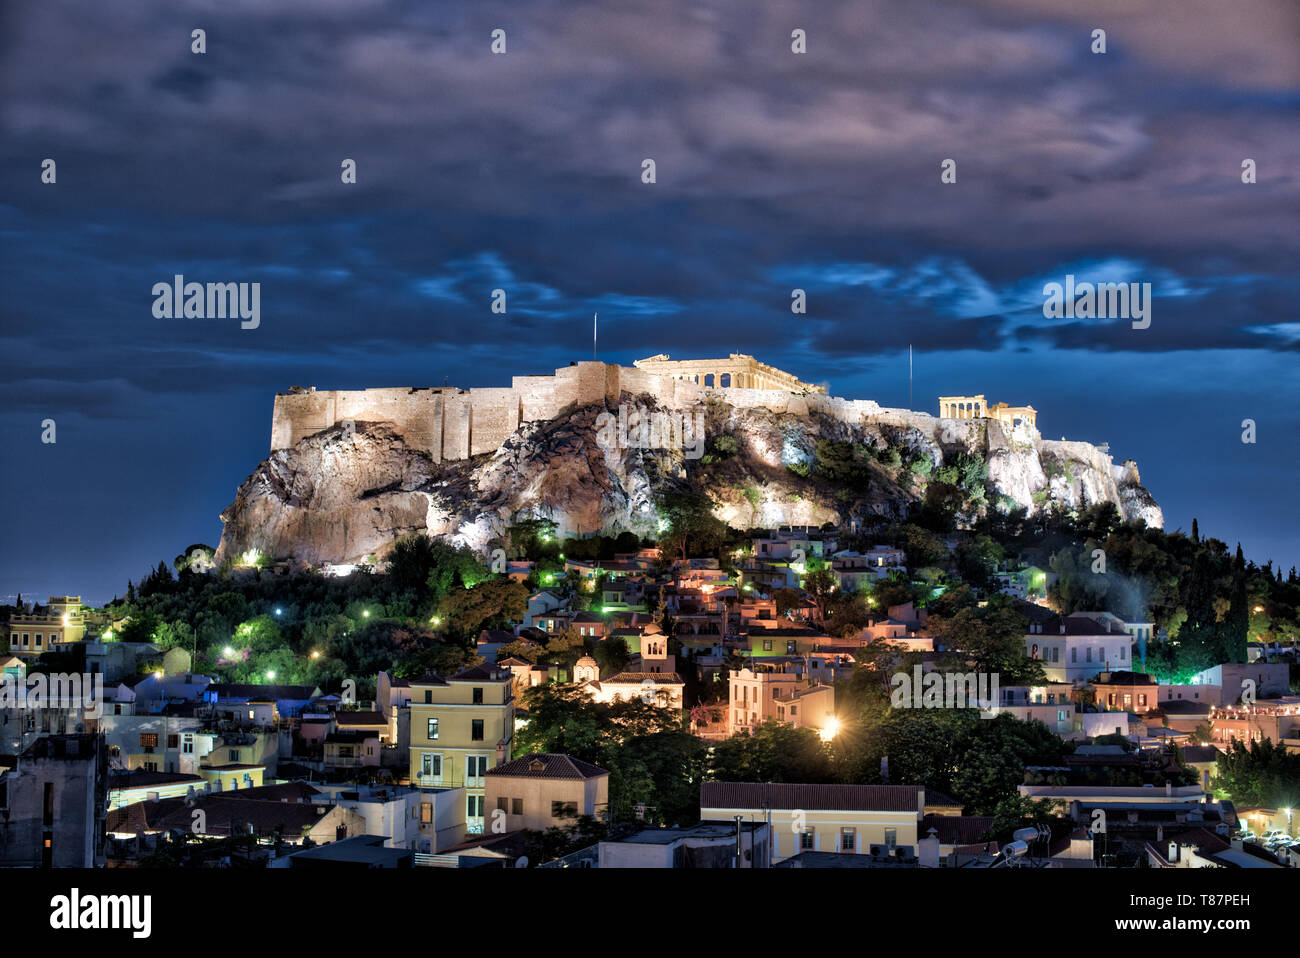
(977, 407)
(736, 371)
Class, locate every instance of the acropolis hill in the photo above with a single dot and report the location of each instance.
(350, 471)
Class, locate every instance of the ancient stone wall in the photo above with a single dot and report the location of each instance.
(452, 424)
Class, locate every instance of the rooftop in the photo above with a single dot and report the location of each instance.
(548, 765)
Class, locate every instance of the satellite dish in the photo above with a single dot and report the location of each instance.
(521, 861)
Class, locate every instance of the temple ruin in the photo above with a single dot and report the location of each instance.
(977, 407)
(737, 371)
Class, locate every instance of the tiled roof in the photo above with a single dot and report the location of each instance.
(639, 678)
(226, 814)
(482, 673)
(883, 798)
(548, 765)
(1208, 842)
(957, 829)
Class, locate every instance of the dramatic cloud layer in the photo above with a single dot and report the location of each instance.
(522, 172)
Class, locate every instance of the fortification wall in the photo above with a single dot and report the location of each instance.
(415, 413)
(538, 399)
(494, 417)
(451, 424)
(457, 413)
(300, 414)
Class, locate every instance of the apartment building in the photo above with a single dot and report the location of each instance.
(777, 691)
(459, 728)
(34, 633)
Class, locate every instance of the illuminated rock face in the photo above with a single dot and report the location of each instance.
(348, 492)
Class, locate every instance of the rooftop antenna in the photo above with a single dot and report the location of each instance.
(593, 336)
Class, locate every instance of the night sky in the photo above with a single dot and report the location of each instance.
(522, 171)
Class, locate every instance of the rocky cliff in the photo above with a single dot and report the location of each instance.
(344, 494)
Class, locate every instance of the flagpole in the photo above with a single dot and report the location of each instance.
(909, 376)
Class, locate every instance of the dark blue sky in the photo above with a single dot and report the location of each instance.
(522, 172)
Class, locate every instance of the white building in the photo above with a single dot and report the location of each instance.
(1075, 649)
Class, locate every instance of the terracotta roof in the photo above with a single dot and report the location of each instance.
(548, 765)
(481, 673)
(638, 678)
(226, 814)
(1208, 842)
(884, 798)
(957, 829)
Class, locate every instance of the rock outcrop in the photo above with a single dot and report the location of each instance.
(343, 494)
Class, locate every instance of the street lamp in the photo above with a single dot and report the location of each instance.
(830, 729)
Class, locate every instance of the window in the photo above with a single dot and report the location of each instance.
(47, 813)
(794, 710)
(1142, 698)
(173, 741)
(561, 809)
(148, 740)
(848, 839)
(431, 765)
(503, 804)
(767, 645)
(1090, 653)
(475, 766)
(187, 745)
(38, 640)
(428, 696)
(433, 729)
(516, 806)
(478, 696)
(1056, 654)
(426, 813)
(474, 806)
(891, 838)
(1122, 652)
(476, 730)
(807, 839)
(1074, 654)
(234, 755)
(345, 751)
